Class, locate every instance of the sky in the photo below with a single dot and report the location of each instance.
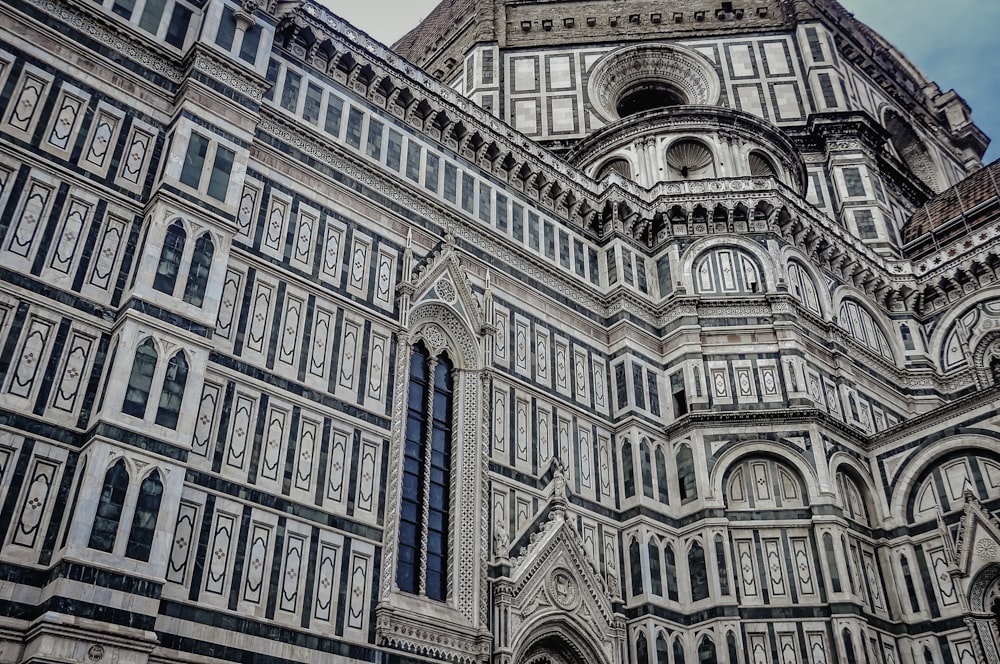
(955, 43)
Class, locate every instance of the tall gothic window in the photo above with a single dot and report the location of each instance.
(147, 509)
(720, 555)
(670, 567)
(655, 580)
(646, 464)
(109, 508)
(635, 566)
(170, 259)
(172, 393)
(685, 474)
(849, 654)
(662, 653)
(706, 651)
(661, 477)
(201, 265)
(831, 562)
(628, 471)
(422, 567)
(678, 651)
(641, 650)
(140, 380)
(698, 572)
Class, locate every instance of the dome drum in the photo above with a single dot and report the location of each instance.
(691, 143)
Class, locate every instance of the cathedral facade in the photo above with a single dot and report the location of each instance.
(560, 333)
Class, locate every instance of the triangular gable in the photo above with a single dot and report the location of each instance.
(978, 540)
(441, 278)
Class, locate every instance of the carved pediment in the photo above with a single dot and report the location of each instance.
(977, 543)
(440, 278)
(554, 587)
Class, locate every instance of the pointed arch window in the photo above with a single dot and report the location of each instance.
(849, 653)
(636, 568)
(201, 265)
(646, 464)
(147, 509)
(628, 471)
(678, 651)
(928, 657)
(706, 651)
(698, 572)
(831, 563)
(641, 650)
(911, 589)
(655, 580)
(109, 508)
(662, 651)
(685, 474)
(170, 259)
(422, 566)
(172, 394)
(661, 477)
(720, 555)
(734, 657)
(140, 381)
(670, 569)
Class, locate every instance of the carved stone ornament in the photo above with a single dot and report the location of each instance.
(619, 71)
(563, 589)
(95, 653)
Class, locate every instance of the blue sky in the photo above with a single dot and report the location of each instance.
(955, 43)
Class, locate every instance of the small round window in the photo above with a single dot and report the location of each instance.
(647, 96)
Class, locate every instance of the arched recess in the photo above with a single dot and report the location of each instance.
(930, 455)
(856, 318)
(911, 149)
(617, 164)
(790, 255)
(841, 463)
(940, 488)
(733, 455)
(558, 641)
(962, 334)
(763, 482)
(984, 604)
(762, 259)
(690, 159)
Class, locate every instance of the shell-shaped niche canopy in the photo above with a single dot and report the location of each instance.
(648, 77)
(690, 159)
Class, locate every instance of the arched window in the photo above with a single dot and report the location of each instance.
(761, 166)
(661, 477)
(109, 508)
(847, 560)
(670, 570)
(928, 657)
(655, 580)
(720, 555)
(802, 287)
(734, 657)
(646, 464)
(849, 647)
(620, 166)
(685, 474)
(172, 394)
(170, 259)
(706, 651)
(831, 562)
(852, 499)
(662, 650)
(698, 572)
(201, 265)
(678, 651)
(859, 323)
(636, 568)
(690, 160)
(140, 380)
(727, 271)
(641, 650)
(147, 508)
(628, 471)
(424, 510)
(911, 590)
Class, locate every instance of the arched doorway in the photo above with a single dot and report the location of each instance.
(559, 641)
(984, 605)
(552, 650)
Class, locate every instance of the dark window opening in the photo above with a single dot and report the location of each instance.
(649, 96)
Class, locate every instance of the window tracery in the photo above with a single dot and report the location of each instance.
(424, 523)
(726, 271)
